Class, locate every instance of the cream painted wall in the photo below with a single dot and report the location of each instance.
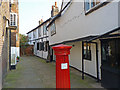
(75, 24)
(89, 66)
(76, 55)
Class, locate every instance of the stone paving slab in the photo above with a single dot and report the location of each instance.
(34, 72)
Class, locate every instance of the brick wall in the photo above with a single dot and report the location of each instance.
(26, 51)
(4, 51)
(15, 9)
(13, 39)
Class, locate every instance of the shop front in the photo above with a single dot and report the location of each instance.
(110, 63)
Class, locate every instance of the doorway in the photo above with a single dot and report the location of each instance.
(110, 63)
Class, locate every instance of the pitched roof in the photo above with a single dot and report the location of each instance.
(39, 25)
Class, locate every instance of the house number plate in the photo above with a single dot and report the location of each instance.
(64, 66)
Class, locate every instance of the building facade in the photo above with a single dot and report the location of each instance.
(93, 29)
(14, 21)
(39, 38)
(5, 35)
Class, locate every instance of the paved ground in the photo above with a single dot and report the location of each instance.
(33, 72)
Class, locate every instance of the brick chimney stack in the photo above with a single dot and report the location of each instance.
(55, 10)
(41, 21)
(55, 4)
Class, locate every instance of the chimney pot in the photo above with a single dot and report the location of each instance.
(55, 4)
(52, 6)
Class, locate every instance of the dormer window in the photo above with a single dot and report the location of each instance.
(13, 19)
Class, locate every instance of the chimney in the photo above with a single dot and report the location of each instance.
(55, 4)
(54, 10)
(41, 21)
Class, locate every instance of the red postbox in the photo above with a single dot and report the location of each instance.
(62, 66)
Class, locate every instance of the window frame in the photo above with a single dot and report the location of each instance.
(53, 29)
(114, 50)
(39, 32)
(38, 45)
(87, 51)
(34, 36)
(44, 30)
(97, 6)
(40, 48)
(13, 19)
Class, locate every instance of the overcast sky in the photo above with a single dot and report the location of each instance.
(31, 11)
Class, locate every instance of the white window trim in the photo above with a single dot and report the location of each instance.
(13, 19)
(90, 8)
(39, 32)
(53, 29)
(34, 34)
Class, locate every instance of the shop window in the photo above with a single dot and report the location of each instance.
(110, 53)
(87, 51)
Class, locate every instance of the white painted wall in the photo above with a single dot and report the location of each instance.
(75, 24)
(76, 58)
(42, 54)
(15, 51)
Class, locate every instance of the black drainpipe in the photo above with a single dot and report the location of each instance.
(97, 63)
(82, 60)
(9, 49)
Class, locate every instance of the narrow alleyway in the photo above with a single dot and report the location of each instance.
(33, 72)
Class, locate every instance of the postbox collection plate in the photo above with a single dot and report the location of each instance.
(64, 65)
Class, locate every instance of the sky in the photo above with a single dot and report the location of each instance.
(31, 11)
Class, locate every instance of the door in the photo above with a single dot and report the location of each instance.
(110, 64)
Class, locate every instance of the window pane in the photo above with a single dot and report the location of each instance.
(87, 5)
(87, 51)
(14, 19)
(52, 28)
(109, 52)
(37, 46)
(39, 32)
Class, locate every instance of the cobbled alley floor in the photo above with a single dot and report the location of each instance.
(34, 72)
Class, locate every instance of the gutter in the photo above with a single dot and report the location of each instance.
(39, 25)
(105, 34)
